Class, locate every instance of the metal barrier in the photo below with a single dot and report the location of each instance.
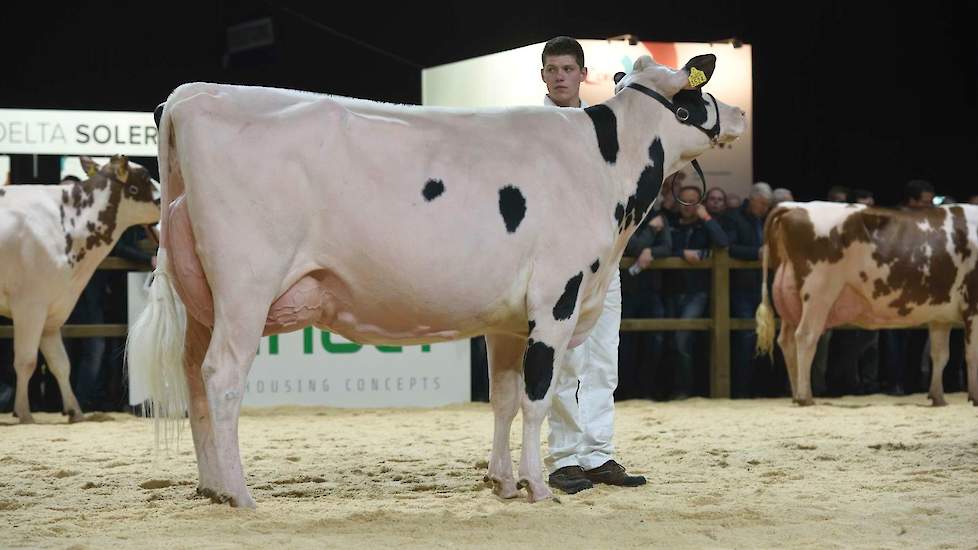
(89, 331)
(719, 324)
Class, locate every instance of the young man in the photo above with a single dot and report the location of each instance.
(583, 408)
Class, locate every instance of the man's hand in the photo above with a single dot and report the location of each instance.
(691, 256)
(657, 223)
(645, 258)
(702, 213)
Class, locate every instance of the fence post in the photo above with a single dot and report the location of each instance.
(720, 333)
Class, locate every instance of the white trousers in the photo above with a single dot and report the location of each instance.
(582, 413)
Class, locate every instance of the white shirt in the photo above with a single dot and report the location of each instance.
(550, 103)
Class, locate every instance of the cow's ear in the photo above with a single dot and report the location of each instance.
(120, 165)
(699, 70)
(88, 165)
(618, 76)
(643, 62)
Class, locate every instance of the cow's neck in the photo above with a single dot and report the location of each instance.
(92, 224)
(645, 156)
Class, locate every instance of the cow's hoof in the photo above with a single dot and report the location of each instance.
(502, 488)
(807, 402)
(937, 401)
(536, 491)
(243, 501)
(26, 419)
(74, 417)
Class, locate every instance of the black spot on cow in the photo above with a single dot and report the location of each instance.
(532, 325)
(807, 297)
(619, 213)
(595, 265)
(646, 190)
(68, 243)
(538, 369)
(606, 128)
(564, 307)
(512, 205)
(432, 189)
(2, 192)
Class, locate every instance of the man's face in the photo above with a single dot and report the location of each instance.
(926, 200)
(716, 202)
(690, 197)
(837, 196)
(758, 206)
(563, 77)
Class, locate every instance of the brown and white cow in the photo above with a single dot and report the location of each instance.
(52, 238)
(871, 267)
(400, 224)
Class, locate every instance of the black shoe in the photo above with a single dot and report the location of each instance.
(613, 473)
(570, 479)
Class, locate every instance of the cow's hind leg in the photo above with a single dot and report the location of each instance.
(53, 348)
(505, 391)
(237, 333)
(28, 326)
(811, 325)
(940, 336)
(786, 340)
(198, 336)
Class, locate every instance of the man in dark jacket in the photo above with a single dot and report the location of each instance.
(642, 298)
(745, 229)
(688, 291)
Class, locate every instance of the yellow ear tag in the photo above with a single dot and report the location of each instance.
(696, 77)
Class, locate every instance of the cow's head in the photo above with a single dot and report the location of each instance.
(138, 191)
(700, 119)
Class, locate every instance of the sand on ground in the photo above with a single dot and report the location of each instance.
(861, 472)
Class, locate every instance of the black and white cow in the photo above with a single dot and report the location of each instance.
(401, 224)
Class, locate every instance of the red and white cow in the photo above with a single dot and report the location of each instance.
(872, 267)
(52, 238)
(400, 224)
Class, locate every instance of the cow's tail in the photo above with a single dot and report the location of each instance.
(155, 344)
(764, 316)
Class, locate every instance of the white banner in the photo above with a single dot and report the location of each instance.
(313, 367)
(52, 132)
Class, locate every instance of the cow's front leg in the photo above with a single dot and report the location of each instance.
(544, 354)
(505, 393)
(939, 352)
(971, 356)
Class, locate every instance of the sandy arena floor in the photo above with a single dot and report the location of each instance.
(869, 472)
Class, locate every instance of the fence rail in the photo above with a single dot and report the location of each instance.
(719, 324)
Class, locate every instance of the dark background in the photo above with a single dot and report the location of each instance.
(859, 94)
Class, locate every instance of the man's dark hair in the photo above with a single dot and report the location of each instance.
(73, 179)
(840, 189)
(914, 188)
(563, 45)
(856, 194)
